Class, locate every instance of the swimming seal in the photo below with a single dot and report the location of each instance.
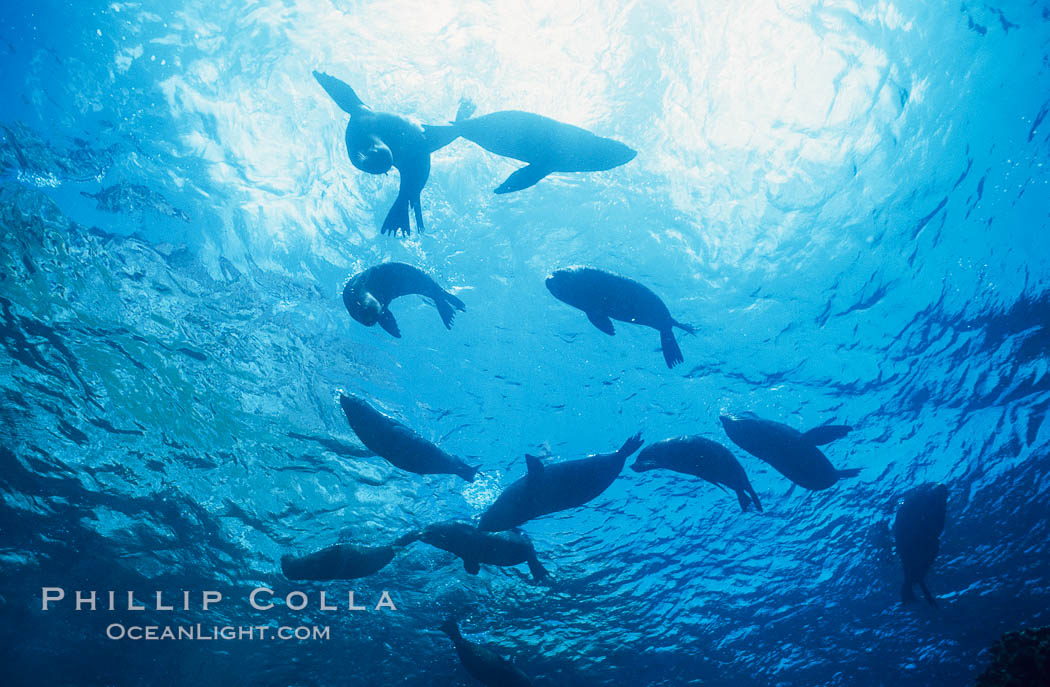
(342, 561)
(548, 489)
(476, 547)
(917, 531)
(605, 296)
(791, 453)
(545, 144)
(484, 664)
(399, 445)
(703, 458)
(376, 141)
(367, 295)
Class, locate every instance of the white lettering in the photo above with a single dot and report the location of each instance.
(48, 594)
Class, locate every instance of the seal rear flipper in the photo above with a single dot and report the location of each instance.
(537, 570)
(467, 472)
(445, 303)
(847, 473)
(408, 538)
(438, 136)
(466, 109)
(684, 327)
(387, 322)
(754, 498)
(672, 353)
(472, 567)
(602, 322)
(926, 593)
(523, 178)
(744, 499)
(825, 434)
(340, 92)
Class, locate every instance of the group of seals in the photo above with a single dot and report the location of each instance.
(602, 295)
(377, 141)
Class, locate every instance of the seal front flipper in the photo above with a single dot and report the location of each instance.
(672, 353)
(602, 322)
(387, 322)
(472, 567)
(523, 178)
(340, 92)
(825, 434)
(397, 219)
(847, 472)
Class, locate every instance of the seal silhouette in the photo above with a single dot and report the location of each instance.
(547, 145)
(791, 453)
(917, 531)
(605, 296)
(376, 141)
(484, 664)
(475, 546)
(367, 295)
(551, 488)
(342, 561)
(703, 458)
(399, 445)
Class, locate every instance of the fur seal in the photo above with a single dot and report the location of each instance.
(398, 444)
(551, 488)
(476, 547)
(367, 295)
(376, 141)
(703, 458)
(134, 198)
(917, 531)
(791, 453)
(545, 144)
(342, 561)
(603, 295)
(484, 664)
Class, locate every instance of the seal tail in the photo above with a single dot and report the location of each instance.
(340, 92)
(672, 353)
(847, 472)
(537, 570)
(445, 303)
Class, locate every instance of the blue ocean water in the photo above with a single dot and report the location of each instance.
(849, 200)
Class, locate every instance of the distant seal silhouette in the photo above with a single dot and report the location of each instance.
(603, 295)
(342, 561)
(551, 488)
(378, 140)
(917, 531)
(484, 664)
(791, 453)
(703, 458)
(545, 144)
(398, 444)
(475, 546)
(367, 295)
